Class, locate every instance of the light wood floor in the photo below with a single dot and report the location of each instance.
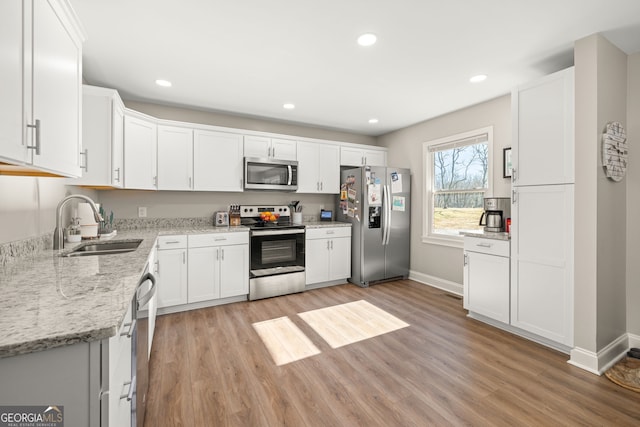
(210, 368)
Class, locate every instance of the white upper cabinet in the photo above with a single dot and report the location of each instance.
(319, 168)
(41, 87)
(217, 161)
(269, 148)
(543, 130)
(356, 156)
(175, 158)
(102, 138)
(139, 153)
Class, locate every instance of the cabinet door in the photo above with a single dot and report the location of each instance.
(203, 274)
(543, 130)
(257, 146)
(175, 158)
(308, 168)
(283, 149)
(351, 156)
(340, 261)
(316, 260)
(329, 169)
(57, 91)
(139, 154)
(217, 161)
(542, 261)
(11, 107)
(486, 285)
(375, 158)
(234, 270)
(117, 153)
(172, 272)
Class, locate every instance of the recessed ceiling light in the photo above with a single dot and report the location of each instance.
(479, 78)
(288, 106)
(163, 83)
(367, 39)
(373, 121)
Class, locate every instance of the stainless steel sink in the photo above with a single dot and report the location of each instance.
(104, 248)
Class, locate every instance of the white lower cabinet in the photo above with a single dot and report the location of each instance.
(201, 268)
(91, 380)
(327, 254)
(486, 277)
(172, 270)
(218, 266)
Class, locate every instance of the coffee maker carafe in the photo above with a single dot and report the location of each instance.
(496, 212)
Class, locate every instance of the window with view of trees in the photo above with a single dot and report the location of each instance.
(458, 177)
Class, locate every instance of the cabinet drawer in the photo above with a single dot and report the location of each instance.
(327, 232)
(172, 242)
(218, 239)
(487, 246)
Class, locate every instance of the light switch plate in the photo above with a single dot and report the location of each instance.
(142, 212)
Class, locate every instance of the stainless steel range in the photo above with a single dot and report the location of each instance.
(277, 252)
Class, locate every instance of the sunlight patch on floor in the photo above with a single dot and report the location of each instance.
(284, 340)
(344, 324)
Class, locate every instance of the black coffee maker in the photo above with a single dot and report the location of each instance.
(496, 212)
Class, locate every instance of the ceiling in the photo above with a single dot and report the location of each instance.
(249, 57)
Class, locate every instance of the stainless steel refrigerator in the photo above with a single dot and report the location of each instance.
(377, 201)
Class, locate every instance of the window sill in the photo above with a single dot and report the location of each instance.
(443, 240)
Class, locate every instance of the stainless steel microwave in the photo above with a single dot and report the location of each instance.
(270, 174)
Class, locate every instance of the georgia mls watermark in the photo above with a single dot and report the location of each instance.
(31, 416)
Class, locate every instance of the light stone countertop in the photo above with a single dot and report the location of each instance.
(325, 224)
(488, 235)
(51, 301)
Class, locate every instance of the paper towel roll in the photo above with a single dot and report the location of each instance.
(85, 213)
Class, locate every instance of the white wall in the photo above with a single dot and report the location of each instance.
(633, 195)
(601, 213)
(405, 150)
(28, 205)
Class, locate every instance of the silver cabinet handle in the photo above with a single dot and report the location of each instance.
(117, 179)
(484, 245)
(273, 151)
(217, 254)
(332, 245)
(327, 245)
(132, 388)
(222, 256)
(189, 182)
(219, 239)
(184, 257)
(321, 186)
(330, 232)
(465, 259)
(85, 153)
(129, 333)
(37, 146)
(513, 175)
(172, 242)
(513, 197)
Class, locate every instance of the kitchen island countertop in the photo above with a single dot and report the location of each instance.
(51, 301)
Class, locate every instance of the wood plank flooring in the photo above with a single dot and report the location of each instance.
(209, 367)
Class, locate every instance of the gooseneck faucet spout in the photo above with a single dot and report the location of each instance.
(58, 234)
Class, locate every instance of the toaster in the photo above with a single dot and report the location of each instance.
(221, 219)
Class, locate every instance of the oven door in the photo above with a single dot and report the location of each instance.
(277, 251)
(270, 174)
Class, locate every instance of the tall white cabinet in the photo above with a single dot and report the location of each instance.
(40, 106)
(542, 211)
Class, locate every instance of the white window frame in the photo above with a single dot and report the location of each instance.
(427, 217)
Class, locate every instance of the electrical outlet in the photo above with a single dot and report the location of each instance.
(142, 212)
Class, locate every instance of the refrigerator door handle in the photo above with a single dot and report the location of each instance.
(387, 215)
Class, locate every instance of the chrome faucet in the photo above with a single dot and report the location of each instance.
(58, 233)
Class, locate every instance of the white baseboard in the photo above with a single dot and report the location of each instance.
(598, 363)
(634, 341)
(436, 282)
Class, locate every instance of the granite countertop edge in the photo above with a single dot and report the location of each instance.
(483, 235)
(52, 301)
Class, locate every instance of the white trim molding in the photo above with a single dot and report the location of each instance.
(436, 282)
(598, 363)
